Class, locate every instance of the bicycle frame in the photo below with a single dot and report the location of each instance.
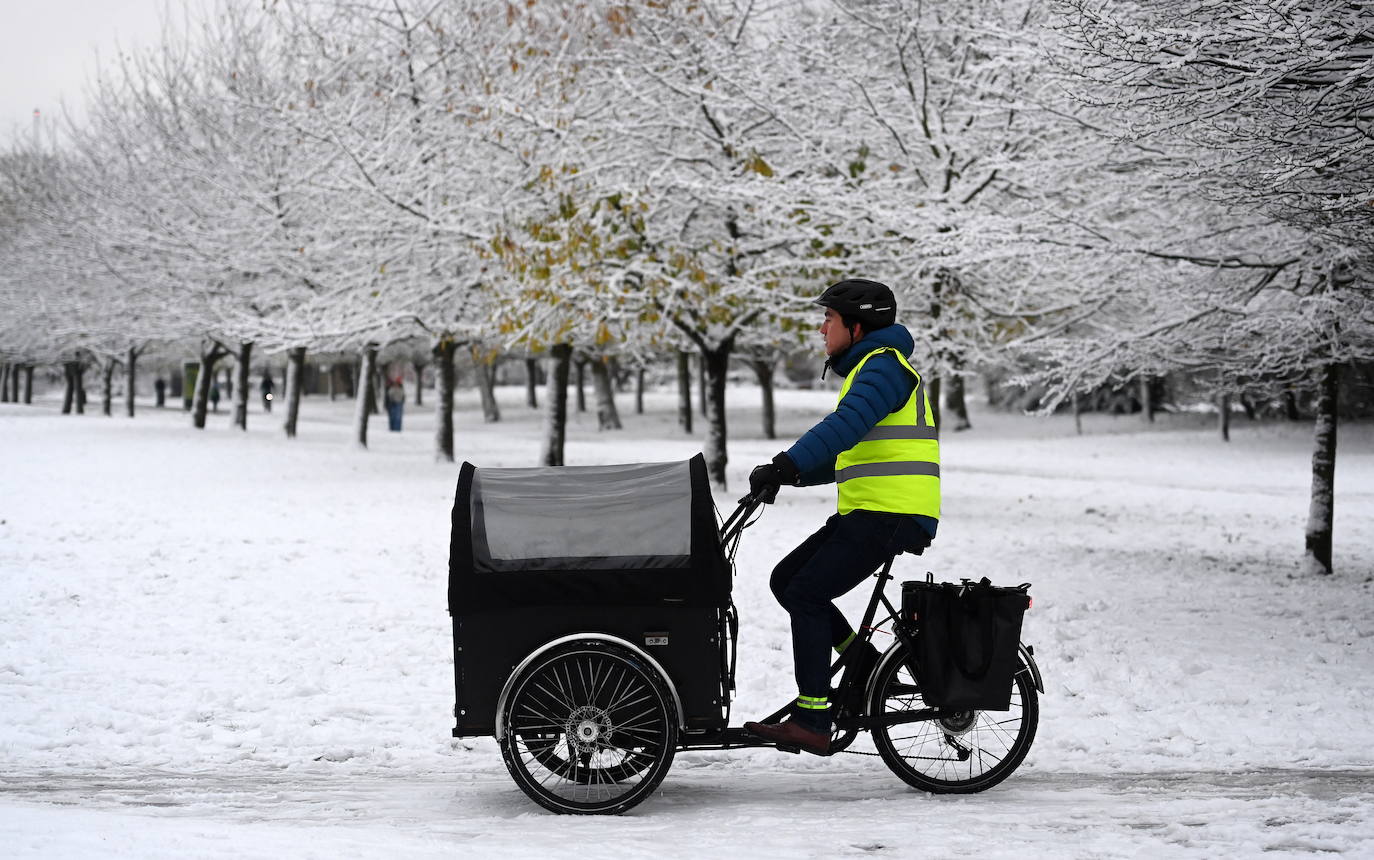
(735, 737)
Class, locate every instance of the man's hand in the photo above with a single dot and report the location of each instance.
(765, 480)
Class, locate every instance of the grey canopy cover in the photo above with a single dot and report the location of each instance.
(637, 534)
(582, 517)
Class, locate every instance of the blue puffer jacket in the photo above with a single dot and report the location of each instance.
(879, 390)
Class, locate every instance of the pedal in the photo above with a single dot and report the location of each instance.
(789, 748)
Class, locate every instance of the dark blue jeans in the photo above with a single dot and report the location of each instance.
(840, 555)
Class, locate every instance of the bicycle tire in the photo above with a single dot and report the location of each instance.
(962, 753)
(591, 729)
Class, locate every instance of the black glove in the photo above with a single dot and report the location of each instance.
(765, 480)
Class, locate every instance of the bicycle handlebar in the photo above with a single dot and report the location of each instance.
(737, 521)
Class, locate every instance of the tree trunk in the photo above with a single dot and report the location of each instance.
(445, 376)
(205, 376)
(581, 392)
(295, 367)
(556, 404)
(1290, 406)
(1224, 417)
(717, 364)
(618, 376)
(684, 392)
(485, 371)
(702, 393)
(531, 383)
(639, 391)
(1147, 400)
(130, 365)
(229, 383)
(364, 404)
(107, 369)
(607, 417)
(1320, 516)
(376, 384)
(764, 371)
(419, 381)
(68, 387)
(28, 383)
(79, 372)
(6, 369)
(18, 371)
(957, 404)
(241, 388)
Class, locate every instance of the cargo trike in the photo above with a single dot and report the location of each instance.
(594, 637)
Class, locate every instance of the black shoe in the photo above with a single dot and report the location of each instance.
(791, 733)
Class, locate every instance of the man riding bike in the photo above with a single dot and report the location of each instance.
(880, 448)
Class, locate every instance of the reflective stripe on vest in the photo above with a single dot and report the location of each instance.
(895, 467)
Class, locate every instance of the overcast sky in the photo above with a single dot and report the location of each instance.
(48, 49)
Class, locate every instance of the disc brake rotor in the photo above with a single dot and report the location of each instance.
(588, 728)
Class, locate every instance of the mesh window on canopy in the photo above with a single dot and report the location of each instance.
(635, 516)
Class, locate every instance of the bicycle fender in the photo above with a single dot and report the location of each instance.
(1028, 655)
(653, 664)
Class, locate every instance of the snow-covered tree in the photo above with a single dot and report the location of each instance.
(1263, 112)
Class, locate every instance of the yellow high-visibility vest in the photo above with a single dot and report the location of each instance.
(896, 467)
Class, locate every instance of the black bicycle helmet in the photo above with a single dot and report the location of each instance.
(868, 303)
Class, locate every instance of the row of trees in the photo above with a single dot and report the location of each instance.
(1089, 192)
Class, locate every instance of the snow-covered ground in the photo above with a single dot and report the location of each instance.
(226, 644)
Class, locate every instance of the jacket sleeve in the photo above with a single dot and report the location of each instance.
(879, 390)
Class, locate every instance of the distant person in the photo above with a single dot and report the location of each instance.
(395, 404)
(266, 388)
(214, 397)
(160, 387)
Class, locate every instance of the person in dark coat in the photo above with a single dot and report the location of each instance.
(395, 404)
(266, 388)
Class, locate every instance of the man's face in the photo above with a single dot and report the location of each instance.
(837, 337)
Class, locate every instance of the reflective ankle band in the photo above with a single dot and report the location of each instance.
(813, 703)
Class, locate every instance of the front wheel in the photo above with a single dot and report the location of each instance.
(589, 728)
(961, 752)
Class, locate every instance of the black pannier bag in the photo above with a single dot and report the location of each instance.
(632, 551)
(966, 642)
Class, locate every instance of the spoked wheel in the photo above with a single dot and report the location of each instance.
(589, 728)
(961, 752)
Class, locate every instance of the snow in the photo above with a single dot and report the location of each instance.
(219, 643)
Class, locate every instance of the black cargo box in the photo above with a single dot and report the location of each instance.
(631, 551)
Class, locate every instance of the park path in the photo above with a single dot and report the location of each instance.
(703, 809)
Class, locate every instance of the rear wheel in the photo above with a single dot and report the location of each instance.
(590, 728)
(959, 752)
